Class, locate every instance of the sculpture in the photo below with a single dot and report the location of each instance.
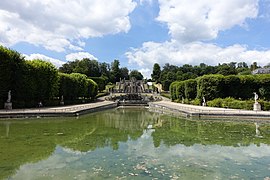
(9, 96)
(256, 105)
(204, 102)
(8, 104)
(256, 97)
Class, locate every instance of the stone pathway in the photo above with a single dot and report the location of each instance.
(71, 110)
(200, 111)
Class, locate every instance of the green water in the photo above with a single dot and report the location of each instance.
(133, 144)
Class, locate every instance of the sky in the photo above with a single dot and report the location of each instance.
(138, 33)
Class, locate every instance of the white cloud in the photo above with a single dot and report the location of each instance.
(146, 72)
(55, 62)
(202, 20)
(80, 56)
(193, 53)
(191, 25)
(58, 25)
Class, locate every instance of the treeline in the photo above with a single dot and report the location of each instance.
(240, 87)
(36, 81)
(170, 73)
(102, 73)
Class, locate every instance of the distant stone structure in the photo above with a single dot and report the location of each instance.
(132, 92)
(261, 71)
(132, 86)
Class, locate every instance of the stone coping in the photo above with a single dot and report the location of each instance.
(72, 110)
(208, 112)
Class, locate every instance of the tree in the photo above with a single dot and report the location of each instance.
(254, 66)
(124, 73)
(227, 69)
(136, 74)
(156, 72)
(115, 72)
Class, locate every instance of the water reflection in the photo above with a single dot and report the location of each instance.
(133, 143)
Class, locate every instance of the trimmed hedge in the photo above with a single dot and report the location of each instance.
(101, 82)
(237, 104)
(219, 86)
(210, 87)
(33, 81)
(190, 89)
(74, 86)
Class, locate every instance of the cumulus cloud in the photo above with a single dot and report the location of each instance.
(202, 20)
(80, 56)
(58, 25)
(146, 72)
(191, 25)
(55, 62)
(194, 53)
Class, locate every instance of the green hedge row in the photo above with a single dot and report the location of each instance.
(184, 89)
(237, 104)
(33, 81)
(76, 85)
(219, 86)
(101, 82)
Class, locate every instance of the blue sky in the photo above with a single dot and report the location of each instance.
(139, 33)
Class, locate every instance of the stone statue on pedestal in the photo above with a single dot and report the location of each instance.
(256, 105)
(9, 96)
(8, 104)
(62, 100)
(204, 102)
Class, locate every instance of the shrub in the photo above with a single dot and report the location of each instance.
(210, 87)
(180, 90)
(231, 103)
(190, 89)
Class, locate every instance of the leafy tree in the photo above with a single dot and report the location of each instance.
(136, 74)
(156, 72)
(124, 73)
(254, 66)
(226, 69)
(115, 71)
(104, 69)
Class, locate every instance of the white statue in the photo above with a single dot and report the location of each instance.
(9, 96)
(204, 102)
(256, 97)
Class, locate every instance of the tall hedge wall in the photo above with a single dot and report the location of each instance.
(33, 81)
(76, 85)
(219, 86)
(101, 82)
(11, 74)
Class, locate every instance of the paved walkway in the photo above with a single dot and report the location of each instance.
(165, 105)
(71, 110)
(200, 111)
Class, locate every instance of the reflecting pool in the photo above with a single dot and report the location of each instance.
(133, 144)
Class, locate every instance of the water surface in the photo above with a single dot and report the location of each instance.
(133, 144)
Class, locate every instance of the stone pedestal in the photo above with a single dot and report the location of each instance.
(8, 105)
(257, 106)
